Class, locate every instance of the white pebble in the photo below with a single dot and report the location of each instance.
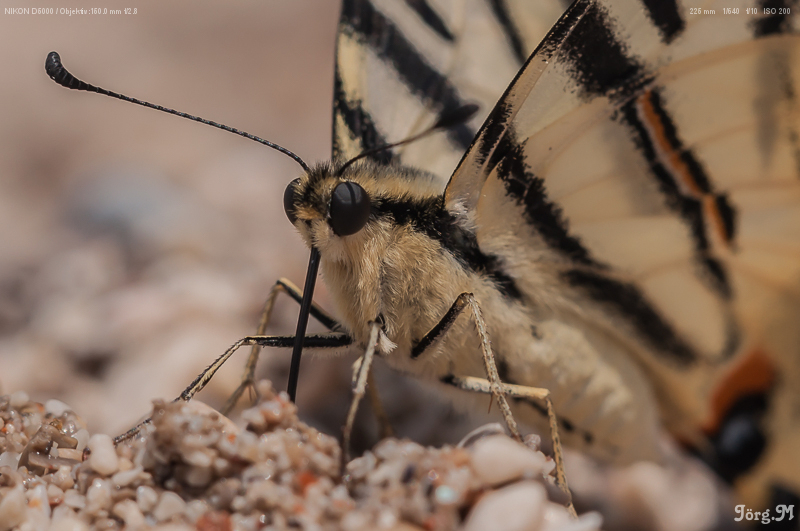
(519, 507)
(82, 436)
(198, 476)
(487, 430)
(195, 509)
(54, 495)
(18, 399)
(12, 508)
(38, 501)
(10, 459)
(98, 496)
(146, 498)
(202, 458)
(125, 478)
(74, 499)
(103, 458)
(67, 523)
(56, 407)
(169, 505)
(63, 478)
(130, 514)
(499, 459)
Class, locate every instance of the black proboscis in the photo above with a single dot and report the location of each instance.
(302, 322)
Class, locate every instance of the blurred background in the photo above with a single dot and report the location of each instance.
(135, 247)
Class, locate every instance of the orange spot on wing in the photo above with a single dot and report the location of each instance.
(753, 373)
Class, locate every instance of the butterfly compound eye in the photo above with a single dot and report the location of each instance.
(349, 210)
(288, 200)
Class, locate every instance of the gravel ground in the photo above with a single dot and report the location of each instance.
(193, 468)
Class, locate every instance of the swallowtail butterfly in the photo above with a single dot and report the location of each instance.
(626, 217)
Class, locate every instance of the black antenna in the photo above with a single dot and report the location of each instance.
(61, 75)
(457, 116)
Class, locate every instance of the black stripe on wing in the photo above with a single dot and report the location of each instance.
(503, 16)
(629, 302)
(770, 104)
(528, 191)
(364, 22)
(590, 277)
(360, 124)
(778, 19)
(600, 62)
(684, 183)
(431, 18)
(666, 15)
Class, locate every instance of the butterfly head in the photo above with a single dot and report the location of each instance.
(338, 212)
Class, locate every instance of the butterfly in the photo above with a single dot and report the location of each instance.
(620, 232)
(627, 215)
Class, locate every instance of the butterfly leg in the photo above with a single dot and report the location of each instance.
(492, 386)
(481, 385)
(283, 285)
(314, 341)
(438, 332)
(361, 371)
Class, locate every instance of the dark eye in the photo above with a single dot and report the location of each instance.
(288, 200)
(349, 210)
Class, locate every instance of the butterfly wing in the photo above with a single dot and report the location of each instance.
(400, 64)
(650, 159)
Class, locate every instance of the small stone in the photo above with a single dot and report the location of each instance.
(70, 453)
(103, 458)
(214, 521)
(12, 508)
(195, 510)
(498, 459)
(487, 430)
(123, 479)
(146, 498)
(169, 505)
(54, 495)
(63, 478)
(130, 514)
(125, 464)
(446, 495)
(67, 523)
(10, 459)
(18, 399)
(56, 407)
(98, 496)
(38, 500)
(82, 436)
(519, 507)
(198, 476)
(74, 499)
